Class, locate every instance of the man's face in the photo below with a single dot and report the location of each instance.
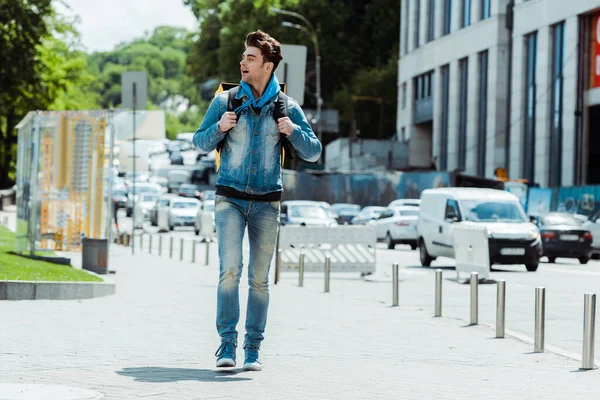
(253, 67)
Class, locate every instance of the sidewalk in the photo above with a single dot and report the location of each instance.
(156, 339)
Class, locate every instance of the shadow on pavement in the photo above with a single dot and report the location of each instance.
(165, 375)
(432, 268)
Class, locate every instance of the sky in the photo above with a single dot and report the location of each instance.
(106, 23)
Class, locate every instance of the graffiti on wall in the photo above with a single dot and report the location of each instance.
(577, 200)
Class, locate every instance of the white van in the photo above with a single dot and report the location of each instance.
(512, 238)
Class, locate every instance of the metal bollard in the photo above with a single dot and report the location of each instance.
(327, 272)
(207, 253)
(540, 318)
(171, 247)
(438, 293)
(589, 330)
(193, 251)
(160, 245)
(301, 270)
(150, 245)
(474, 298)
(500, 308)
(181, 249)
(395, 285)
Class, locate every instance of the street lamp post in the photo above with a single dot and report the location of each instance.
(313, 35)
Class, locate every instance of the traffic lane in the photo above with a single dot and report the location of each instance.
(564, 293)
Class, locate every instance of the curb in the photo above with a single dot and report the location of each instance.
(48, 290)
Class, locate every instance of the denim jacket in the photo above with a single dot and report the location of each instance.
(251, 154)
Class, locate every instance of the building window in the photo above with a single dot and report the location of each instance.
(431, 21)
(529, 105)
(485, 9)
(465, 19)
(447, 17)
(423, 98)
(463, 72)
(417, 23)
(443, 158)
(482, 115)
(406, 30)
(556, 111)
(404, 95)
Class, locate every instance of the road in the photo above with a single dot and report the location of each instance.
(565, 283)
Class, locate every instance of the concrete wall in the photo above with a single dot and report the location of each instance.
(367, 154)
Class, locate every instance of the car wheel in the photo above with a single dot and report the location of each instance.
(413, 246)
(197, 232)
(532, 267)
(426, 259)
(551, 260)
(584, 259)
(129, 212)
(389, 242)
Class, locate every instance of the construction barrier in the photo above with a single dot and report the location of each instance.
(350, 248)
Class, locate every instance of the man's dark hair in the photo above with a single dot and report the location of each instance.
(269, 47)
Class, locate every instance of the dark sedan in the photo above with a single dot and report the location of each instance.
(563, 236)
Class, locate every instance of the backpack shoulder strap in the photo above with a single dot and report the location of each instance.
(281, 110)
(232, 101)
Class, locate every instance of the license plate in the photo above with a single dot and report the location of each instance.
(512, 252)
(569, 237)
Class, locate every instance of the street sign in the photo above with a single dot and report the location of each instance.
(292, 71)
(137, 80)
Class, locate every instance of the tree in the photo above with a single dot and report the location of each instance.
(23, 26)
(358, 42)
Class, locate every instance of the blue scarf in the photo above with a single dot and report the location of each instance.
(270, 93)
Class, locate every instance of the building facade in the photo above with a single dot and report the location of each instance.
(487, 84)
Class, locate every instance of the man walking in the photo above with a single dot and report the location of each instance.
(249, 188)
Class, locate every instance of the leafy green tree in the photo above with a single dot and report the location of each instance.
(358, 42)
(38, 68)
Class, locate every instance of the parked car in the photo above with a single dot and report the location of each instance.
(176, 158)
(205, 215)
(367, 214)
(163, 202)
(305, 213)
(397, 225)
(512, 238)
(189, 190)
(344, 212)
(593, 225)
(119, 196)
(405, 202)
(182, 212)
(563, 236)
(143, 206)
(139, 189)
(208, 195)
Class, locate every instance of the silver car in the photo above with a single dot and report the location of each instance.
(305, 213)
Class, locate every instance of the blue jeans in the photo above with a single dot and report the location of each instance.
(231, 218)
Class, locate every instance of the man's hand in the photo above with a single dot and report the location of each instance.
(227, 121)
(286, 126)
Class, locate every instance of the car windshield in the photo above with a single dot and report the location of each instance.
(492, 211)
(559, 220)
(119, 193)
(308, 211)
(209, 195)
(149, 198)
(181, 204)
